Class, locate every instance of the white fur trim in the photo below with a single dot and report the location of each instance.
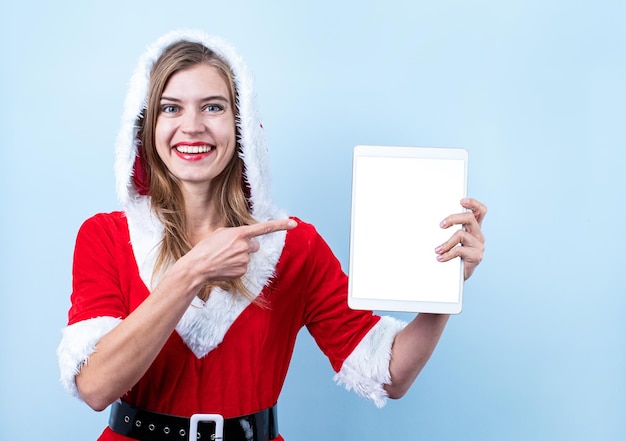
(366, 370)
(146, 233)
(204, 324)
(77, 344)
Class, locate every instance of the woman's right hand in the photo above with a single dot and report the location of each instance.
(225, 254)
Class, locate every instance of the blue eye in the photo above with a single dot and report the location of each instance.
(214, 108)
(169, 108)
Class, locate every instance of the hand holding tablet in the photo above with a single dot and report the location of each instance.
(400, 195)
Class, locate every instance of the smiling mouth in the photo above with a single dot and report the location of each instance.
(193, 149)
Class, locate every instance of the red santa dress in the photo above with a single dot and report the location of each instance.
(227, 355)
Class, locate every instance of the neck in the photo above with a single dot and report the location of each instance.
(202, 215)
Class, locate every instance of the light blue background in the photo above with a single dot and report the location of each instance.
(536, 90)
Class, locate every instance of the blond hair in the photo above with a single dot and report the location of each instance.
(230, 189)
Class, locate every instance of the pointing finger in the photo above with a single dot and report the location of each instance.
(268, 227)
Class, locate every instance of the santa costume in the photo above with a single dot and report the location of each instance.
(228, 355)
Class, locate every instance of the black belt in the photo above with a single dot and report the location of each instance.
(145, 425)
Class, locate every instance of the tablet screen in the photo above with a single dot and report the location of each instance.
(399, 197)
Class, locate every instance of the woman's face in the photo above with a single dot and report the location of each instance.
(195, 128)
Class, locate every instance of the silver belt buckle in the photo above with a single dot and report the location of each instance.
(206, 418)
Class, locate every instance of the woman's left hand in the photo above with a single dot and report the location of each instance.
(468, 243)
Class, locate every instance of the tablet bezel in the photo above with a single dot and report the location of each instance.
(454, 287)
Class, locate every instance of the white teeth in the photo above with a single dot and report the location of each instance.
(191, 149)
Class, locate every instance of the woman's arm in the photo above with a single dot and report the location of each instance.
(124, 355)
(414, 345)
(412, 349)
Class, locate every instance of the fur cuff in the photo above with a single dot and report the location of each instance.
(366, 370)
(78, 343)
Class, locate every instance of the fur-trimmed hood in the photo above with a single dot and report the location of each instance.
(203, 325)
(254, 150)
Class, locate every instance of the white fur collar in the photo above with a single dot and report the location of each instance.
(204, 324)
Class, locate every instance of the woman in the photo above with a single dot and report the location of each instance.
(189, 300)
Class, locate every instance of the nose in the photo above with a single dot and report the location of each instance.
(192, 122)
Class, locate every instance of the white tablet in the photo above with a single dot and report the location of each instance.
(399, 197)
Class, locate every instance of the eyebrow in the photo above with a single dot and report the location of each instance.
(208, 98)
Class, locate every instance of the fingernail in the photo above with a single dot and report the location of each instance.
(439, 249)
(440, 257)
(292, 224)
(442, 224)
